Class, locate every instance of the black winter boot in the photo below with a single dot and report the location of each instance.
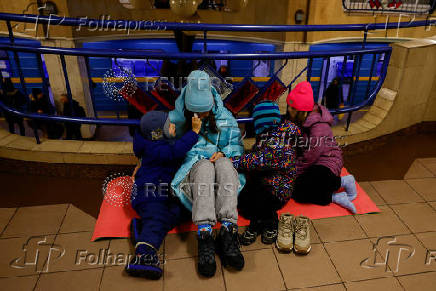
(206, 254)
(270, 230)
(250, 234)
(147, 264)
(228, 247)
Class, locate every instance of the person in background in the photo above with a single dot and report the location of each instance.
(333, 95)
(224, 71)
(73, 129)
(39, 103)
(14, 99)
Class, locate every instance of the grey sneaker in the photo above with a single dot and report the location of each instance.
(285, 237)
(302, 235)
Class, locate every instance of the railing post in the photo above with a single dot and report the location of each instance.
(45, 83)
(91, 84)
(353, 88)
(11, 32)
(20, 73)
(309, 69)
(35, 132)
(67, 84)
(368, 87)
(205, 41)
(326, 77)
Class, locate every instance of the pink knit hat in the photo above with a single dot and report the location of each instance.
(301, 98)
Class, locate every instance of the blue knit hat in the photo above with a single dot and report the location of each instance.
(198, 95)
(266, 115)
(155, 125)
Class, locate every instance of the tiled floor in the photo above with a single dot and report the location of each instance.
(48, 248)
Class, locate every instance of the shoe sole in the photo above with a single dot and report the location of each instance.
(148, 272)
(226, 264)
(207, 275)
(283, 250)
(302, 252)
(268, 241)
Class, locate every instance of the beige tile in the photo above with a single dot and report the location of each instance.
(70, 281)
(8, 139)
(348, 258)
(405, 254)
(4, 133)
(80, 252)
(25, 255)
(84, 158)
(115, 278)
(429, 241)
(183, 275)
(429, 164)
(299, 271)
(22, 143)
(419, 282)
(121, 245)
(334, 287)
(419, 217)
(372, 193)
(396, 191)
(5, 217)
(18, 283)
(50, 145)
(260, 272)
(181, 245)
(31, 156)
(102, 147)
(36, 220)
(338, 229)
(382, 284)
(425, 187)
(417, 170)
(383, 223)
(77, 220)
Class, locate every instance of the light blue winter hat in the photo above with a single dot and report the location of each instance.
(198, 95)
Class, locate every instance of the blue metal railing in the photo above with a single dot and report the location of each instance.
(138, 54)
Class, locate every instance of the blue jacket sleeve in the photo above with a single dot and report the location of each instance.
(178, 150)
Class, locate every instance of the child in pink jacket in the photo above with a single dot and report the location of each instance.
(319, 161)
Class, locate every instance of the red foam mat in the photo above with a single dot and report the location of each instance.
(113, 220)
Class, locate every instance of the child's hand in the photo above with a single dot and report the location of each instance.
(172, 130)
(216, 156)
(196, 124)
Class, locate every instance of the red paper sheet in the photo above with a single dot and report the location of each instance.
(114, 221)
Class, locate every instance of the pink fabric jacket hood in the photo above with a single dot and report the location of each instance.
(318, 144)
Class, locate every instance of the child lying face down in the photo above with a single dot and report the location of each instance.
(160, 158)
